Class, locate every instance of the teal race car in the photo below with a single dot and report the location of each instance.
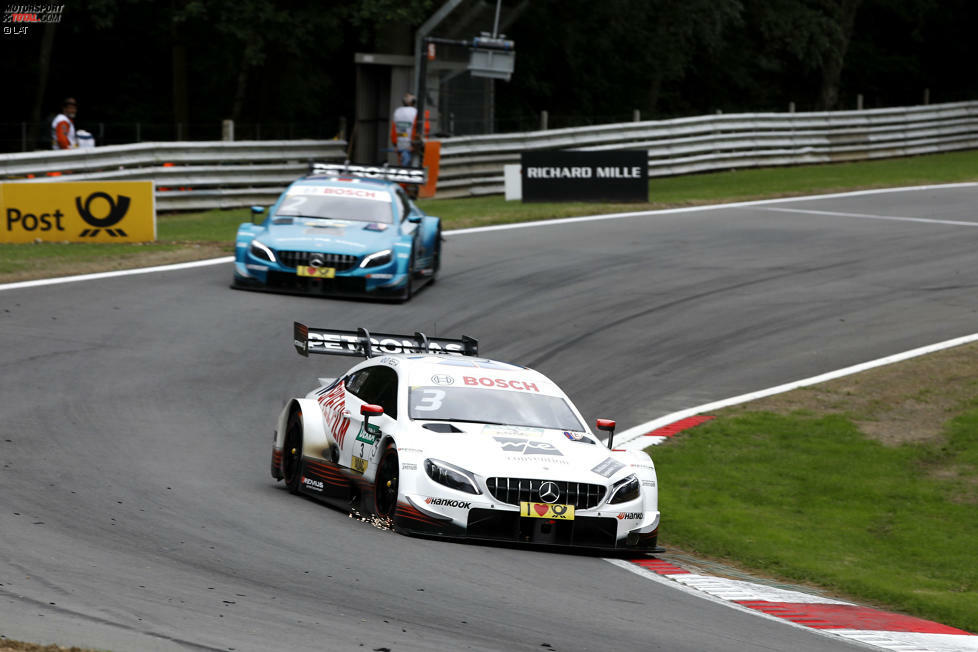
(342, 230)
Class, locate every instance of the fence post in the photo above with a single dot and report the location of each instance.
(636, 115)
(926, 96)
(859, 102)
(543, 120)
(227, 130)
(139, 132)
(791, 107)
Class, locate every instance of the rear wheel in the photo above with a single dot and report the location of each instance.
(387, 482)
(292, 452)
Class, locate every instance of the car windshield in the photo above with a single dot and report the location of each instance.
(329, 202)
(510, 408)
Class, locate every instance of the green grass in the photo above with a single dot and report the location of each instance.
(810, 499)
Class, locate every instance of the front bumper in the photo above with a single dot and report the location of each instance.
(492, 523)
(355, 283)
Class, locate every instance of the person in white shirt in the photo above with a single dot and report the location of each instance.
(404, 129)
(63, 134)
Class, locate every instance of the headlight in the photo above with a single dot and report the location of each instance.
(624, 490)
(260, 251)
(451, 476)
(377, 259)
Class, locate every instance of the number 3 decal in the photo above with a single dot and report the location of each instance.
(431, 400)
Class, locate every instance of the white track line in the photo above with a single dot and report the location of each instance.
(864, 216)
(632, 438)
(121, 272)
(505, 227)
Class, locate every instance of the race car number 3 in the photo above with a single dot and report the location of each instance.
(544, 510)
(316, 272)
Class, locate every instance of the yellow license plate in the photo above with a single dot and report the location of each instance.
(316, 272)
(359, 464)
(544, 510)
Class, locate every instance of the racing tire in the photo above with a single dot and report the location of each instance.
(409, 286)
(292, 452)
(436, 257)
(386, 490)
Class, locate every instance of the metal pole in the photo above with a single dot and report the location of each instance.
(495, 24)
(420, 35)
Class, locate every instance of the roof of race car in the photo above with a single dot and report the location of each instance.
(459, 371)
(335, 181)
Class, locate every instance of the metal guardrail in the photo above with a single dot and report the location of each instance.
(220, 174)
(473, 165)
(188, 175)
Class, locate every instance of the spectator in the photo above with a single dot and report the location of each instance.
(63, 134)
(404, 130)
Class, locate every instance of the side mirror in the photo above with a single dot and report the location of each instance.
(368, 410)
(608, 425)
(414, 218)
(256, 211)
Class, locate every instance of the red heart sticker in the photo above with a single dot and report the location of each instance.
(541, 509)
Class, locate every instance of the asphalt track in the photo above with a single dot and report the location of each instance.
(136, 419)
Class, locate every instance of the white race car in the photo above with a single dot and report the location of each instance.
(440, 442)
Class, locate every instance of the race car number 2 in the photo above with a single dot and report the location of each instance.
(545, 510)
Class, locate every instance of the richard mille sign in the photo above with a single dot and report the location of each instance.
(563, 175)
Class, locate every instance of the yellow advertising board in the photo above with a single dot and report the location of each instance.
(77, 211)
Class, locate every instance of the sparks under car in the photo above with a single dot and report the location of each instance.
(343, 230)
(441, 442)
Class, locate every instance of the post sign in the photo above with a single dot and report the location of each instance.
(564, 175)
(77, 211)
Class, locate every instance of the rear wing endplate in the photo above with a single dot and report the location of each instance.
(386, 172)
(362, 343)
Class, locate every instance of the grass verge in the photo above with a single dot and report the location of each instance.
(842, 485)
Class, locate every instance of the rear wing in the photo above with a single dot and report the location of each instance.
(362, 343)
(387, 173)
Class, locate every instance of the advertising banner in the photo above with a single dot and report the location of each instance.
(77, 211)
(564, 175)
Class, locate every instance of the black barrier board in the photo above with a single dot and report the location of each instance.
(564, 175)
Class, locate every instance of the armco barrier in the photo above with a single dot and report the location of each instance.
(188, 175)
(473, 165)
(202, 175)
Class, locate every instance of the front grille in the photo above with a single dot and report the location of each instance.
(341, 262)
(339, 285)
(513, 491)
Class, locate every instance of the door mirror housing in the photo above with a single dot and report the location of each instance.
(608, 425)
(368, 410)
(256, 212)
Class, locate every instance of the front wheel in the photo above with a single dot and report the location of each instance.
(436, 256)
(409, 285)
(386, 489)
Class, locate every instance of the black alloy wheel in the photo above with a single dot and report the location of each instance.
(387, 489)
(292, 452)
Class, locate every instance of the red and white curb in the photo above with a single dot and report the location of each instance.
(873, 627)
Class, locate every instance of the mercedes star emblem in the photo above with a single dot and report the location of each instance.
(549, 492)
(316, 261)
